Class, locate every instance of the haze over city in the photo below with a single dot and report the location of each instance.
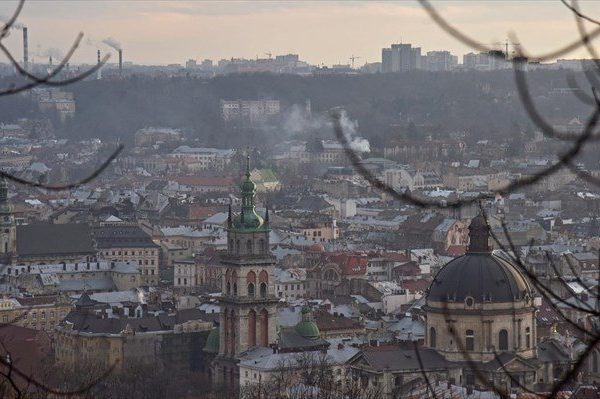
(300, 200)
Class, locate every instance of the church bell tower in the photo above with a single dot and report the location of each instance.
(248, 300)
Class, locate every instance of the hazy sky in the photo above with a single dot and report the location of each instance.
(155, 32)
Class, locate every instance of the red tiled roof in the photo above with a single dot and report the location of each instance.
(415, 285)
(456, 250)
(396, 256)
(197, 211)
(351, 264)
(326, 322)
(407, 269)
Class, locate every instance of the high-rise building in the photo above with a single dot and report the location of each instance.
(191, 64)
(400, 58)
(439, 61)
(248, 300)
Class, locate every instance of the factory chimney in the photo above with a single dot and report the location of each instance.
(25, 49)
(120, 61)
(99, 72)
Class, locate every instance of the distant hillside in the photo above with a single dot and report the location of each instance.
(484, 104)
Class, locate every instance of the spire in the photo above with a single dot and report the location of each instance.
(267, 213)
(229, 218)
(479, 233)
(248, 165)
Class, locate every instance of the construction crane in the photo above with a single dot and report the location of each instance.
(506, 44)
(269, 54)
(353, 58)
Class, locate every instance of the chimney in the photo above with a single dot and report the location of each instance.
(99, 71)
(25, 49)
(120, 61)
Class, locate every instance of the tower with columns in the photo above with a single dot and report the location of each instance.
(248, 301)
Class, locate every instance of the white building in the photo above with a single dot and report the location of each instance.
(290, 283)
(249, 110)
(200, 158)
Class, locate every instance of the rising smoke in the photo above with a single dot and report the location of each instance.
(299, 121)
(53, 52)
(109, 41)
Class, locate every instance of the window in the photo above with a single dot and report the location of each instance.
(249, 247)
(594, 362)
(251, 289)
(503, 340)
(263, 290)
(432, 338)
(470, 340)
(528, 337)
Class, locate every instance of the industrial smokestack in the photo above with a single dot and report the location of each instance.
(99, 72)
(25, 49)
(120, 61)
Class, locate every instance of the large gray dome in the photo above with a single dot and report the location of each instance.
(483, 276)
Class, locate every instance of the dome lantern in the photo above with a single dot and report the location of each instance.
(479, 233)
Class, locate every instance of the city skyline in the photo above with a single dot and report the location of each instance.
(321, 33)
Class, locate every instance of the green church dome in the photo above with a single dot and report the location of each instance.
(213, 342)
(308, 329)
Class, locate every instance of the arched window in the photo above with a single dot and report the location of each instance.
(528, 337)
(251, 281)
(228, 288)
(264, 328)
(249, 247)
(470, 340)
(235, 289)
(263, 277)
(503, 340)
(432, 338)
(263, 290)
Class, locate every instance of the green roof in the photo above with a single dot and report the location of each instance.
(213, 342)
(308, 329)
(248, 219)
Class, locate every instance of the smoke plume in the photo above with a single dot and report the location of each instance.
(298, 121)
(109, 41)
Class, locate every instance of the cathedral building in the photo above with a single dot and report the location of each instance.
(248, 298)
(480, 308)
(481, 333)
